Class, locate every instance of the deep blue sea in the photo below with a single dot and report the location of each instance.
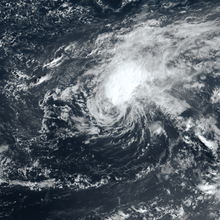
(110, 110)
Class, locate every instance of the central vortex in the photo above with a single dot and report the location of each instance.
(121, 85)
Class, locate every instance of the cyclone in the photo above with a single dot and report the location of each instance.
(116, 94)
(138, 75)
(110, 111)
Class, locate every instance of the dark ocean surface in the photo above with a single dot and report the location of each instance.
(109, 110)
